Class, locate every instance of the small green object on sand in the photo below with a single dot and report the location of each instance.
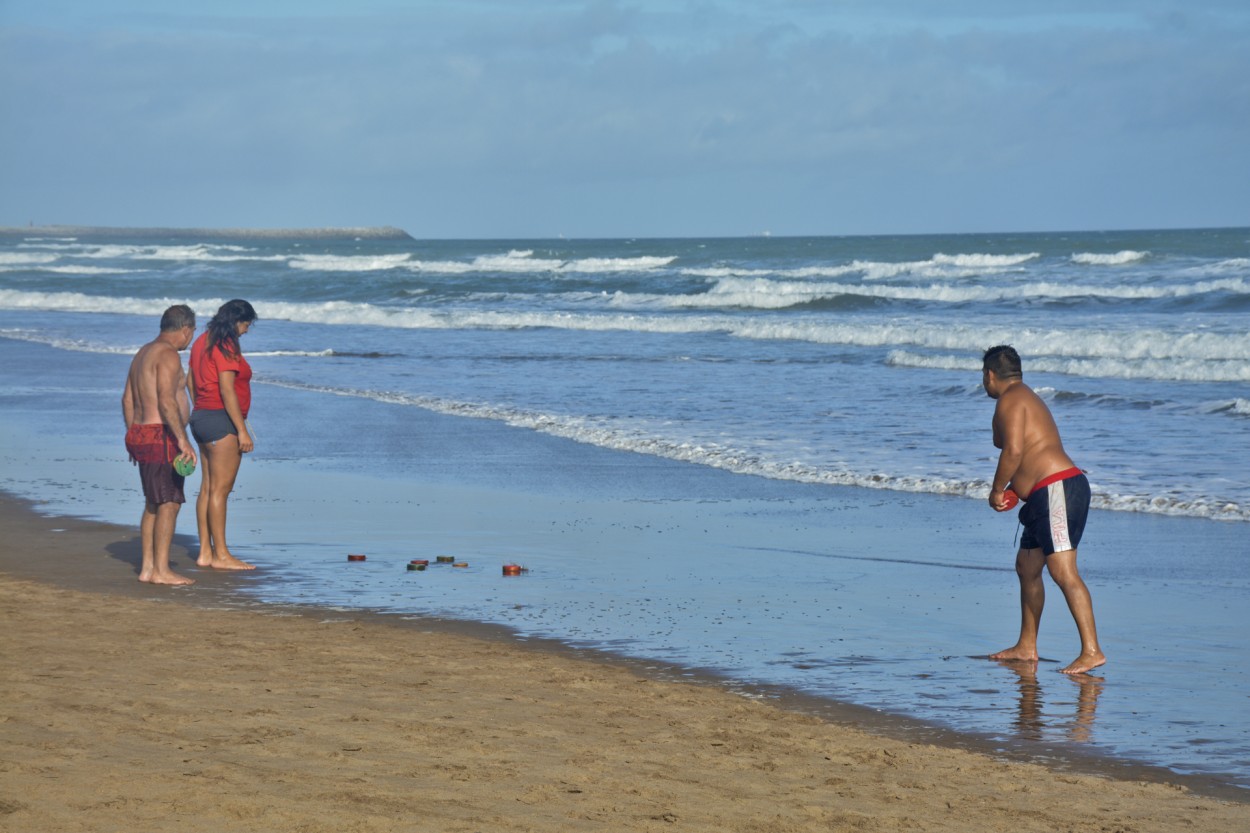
(184, 466)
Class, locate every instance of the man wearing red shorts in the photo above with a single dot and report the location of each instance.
(1055, 494)
(155, 407)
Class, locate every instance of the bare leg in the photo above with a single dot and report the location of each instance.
(157, 532)
(205, 558)
(1029, 565)
(147, 531)
(224, 458)
(1063, 570)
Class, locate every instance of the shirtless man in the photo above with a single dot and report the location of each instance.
(1055, 495)
(155, 407)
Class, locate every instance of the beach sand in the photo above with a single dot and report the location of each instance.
(132, 708)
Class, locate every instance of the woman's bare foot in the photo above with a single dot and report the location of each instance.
(1087, 661)
(229, 562)
(1016, 654)
(205, 559)
(165, 577)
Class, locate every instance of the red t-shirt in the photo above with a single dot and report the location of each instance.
(206, 366)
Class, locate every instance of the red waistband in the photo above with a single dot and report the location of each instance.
(1056, 477)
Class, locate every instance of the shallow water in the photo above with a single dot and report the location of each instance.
(878, 598)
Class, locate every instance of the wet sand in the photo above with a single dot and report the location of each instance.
(131, 707)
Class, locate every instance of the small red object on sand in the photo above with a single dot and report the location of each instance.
(355, 557)
(512, 569)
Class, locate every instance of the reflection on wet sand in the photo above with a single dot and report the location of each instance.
(1032, 722)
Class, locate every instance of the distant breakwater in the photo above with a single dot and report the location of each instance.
(123, 233)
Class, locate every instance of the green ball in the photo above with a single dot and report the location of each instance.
(183, 466)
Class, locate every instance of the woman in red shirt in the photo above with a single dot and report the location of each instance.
(221, 389)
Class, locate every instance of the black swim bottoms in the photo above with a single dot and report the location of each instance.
(209, 426)
(1054, 514)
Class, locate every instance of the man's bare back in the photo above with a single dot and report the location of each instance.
(155, 373)
(1026, 433)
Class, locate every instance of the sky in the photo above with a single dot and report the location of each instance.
(547, 118)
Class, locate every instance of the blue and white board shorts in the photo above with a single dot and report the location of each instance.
(1054, 514)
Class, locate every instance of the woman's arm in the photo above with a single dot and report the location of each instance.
(231, 400)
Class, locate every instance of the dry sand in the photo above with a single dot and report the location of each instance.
(135, 708)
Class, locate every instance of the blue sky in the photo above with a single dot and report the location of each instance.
(481, 118)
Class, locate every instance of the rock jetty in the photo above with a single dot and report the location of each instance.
(118, 233)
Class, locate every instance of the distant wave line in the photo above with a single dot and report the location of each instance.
(1172, 369)
(763, 293)
(1106, 345)
(1116, 259)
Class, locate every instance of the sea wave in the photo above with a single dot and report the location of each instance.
(73, 345)
(517, 261)
(766, 293)
(12, 299)
(1198, 356)
(939, 266)
(20, 260)
(349, 263)
(1235, 407)
(78, 345)
(602, 434)
(197, 252)
(1116, 259)
(1119, 367)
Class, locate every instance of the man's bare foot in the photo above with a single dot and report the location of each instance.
(229, 562)
(1085, 662)
(1016, 654)
(205, 559)
(167, 577)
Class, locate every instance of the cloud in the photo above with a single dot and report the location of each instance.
(630, 112)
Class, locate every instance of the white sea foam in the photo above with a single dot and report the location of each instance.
(90, 270)
(1128, 353)
(198, 252)
(350, 263)
(620, 436)
(516, 261)
(11, 299)
(592, 265)
(71, 344)
(983, 261)
(1176, 370)
(1116, 259)
(940, 266)
(1237, 407)
(766, 293)
(11, 260)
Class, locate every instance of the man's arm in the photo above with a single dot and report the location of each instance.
(168, 389)
(128, 400)
(190, 381)
(1009, 436)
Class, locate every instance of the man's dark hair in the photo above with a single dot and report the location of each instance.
(177, 317)
(1004, 361)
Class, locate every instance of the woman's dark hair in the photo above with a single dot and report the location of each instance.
(223, 328)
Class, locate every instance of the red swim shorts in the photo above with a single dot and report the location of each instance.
(153, 446)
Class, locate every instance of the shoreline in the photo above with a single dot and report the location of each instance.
(881, 625)
(89, 559)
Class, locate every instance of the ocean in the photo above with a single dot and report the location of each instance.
(760, 458)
